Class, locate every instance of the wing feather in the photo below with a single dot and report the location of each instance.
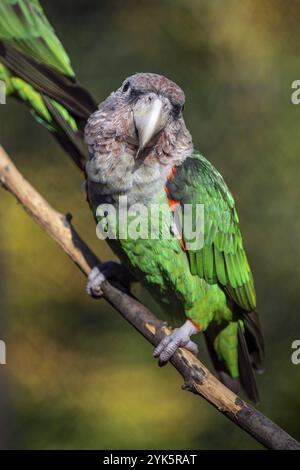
(222, 258)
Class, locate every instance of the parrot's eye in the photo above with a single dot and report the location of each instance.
(177, 109)
(126, 87)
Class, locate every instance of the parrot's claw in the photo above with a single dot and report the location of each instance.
(110, 271)
(95, 280)
(180, 337)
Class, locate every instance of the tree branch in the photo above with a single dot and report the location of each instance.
(197, 378)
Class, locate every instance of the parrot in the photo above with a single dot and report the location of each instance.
(141, 149)
(36, 70)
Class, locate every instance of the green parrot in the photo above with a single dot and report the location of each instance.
(141, 155)
(36, 70)
(139, 147)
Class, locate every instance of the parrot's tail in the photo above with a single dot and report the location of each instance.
(68, 104)
(37, 70)
(236, 350)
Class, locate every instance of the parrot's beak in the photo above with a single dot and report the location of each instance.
(149, 119)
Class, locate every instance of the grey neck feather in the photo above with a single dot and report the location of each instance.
(139, 182)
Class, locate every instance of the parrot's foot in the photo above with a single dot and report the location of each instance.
(109, 271)
(180, 337)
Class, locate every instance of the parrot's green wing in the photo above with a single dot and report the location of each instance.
(222, 259)
(36, 69)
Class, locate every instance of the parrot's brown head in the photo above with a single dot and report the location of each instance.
(138, 126)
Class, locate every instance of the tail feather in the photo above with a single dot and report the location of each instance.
(249, 349)
(37, 70)
(68, 104)
(254, 340)
(220, 367)
(25, 26)
(48, 81)
(70, 139)
(246, 371)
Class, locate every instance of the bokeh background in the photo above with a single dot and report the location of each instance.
(77, 376)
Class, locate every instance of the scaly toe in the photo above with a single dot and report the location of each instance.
(169, 345)
(168, 351)
(95, 280)
(191, 346)
(180, 337)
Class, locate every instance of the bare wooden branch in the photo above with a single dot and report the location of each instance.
(197, 378)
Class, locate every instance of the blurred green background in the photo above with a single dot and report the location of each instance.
(77, 376)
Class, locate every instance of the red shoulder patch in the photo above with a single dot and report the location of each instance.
(171, 172)
(172, 202)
